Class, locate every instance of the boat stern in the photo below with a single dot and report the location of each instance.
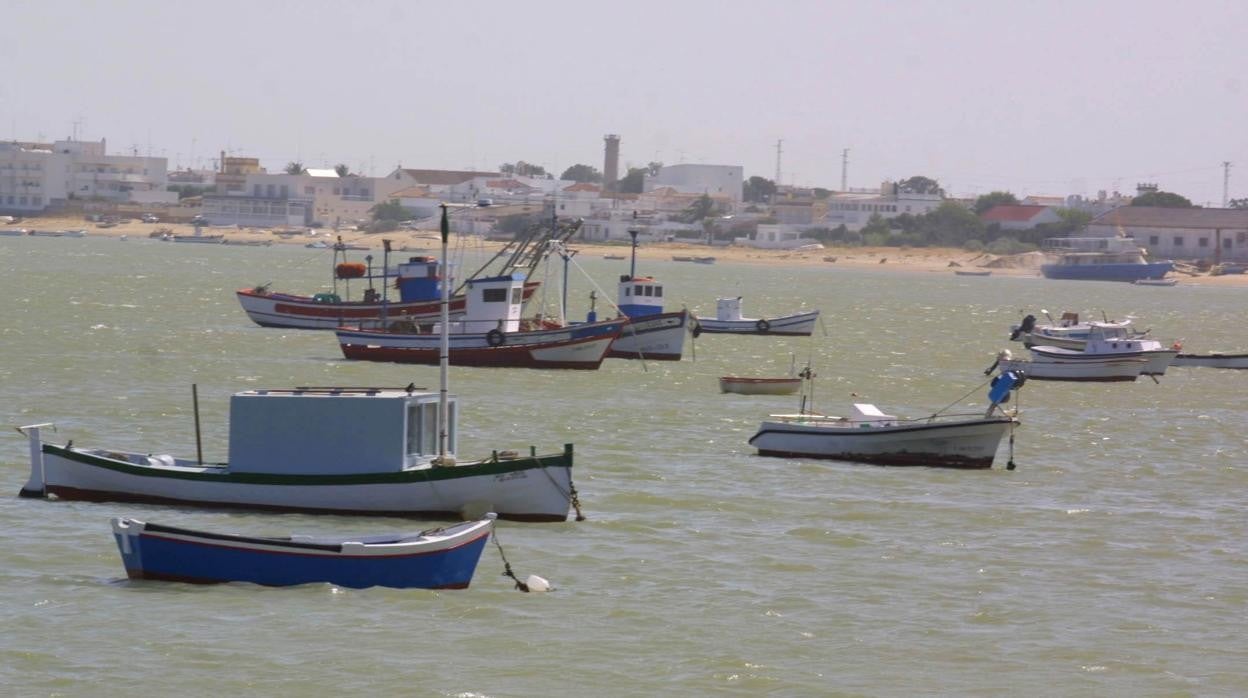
(34, 487)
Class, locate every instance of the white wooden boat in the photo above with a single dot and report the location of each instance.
(332, 450)
(964, 272)
(728, 320)
(1155, 282)
(870, 436)
(759, 386)
(1214, 359)
(1087, 370)
(651, 333)
(1068, 332)
(440, 558)
(489, 334)
(1106, 342)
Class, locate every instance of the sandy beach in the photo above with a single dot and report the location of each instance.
(927, 260)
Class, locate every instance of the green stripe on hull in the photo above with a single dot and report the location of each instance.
(491, 466)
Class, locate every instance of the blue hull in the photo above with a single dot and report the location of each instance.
(1106, 272)
(150, 555)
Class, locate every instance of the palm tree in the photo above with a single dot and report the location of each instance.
(295, 168)
(342, 170)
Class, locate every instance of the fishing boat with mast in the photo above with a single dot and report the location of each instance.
(415, 281)
(650, 333)
(340, 450)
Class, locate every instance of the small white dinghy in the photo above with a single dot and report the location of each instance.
(728, 320)
(870, 436)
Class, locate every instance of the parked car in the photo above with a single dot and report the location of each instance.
(149, 218)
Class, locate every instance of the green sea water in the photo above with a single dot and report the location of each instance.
(1113, 561)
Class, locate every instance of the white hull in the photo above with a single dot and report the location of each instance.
(1212, 360)
(968, 443)
(534, 494)
(802, 324)
(759, 386)
(1103, 370)
(1155, 360)
(658, 337)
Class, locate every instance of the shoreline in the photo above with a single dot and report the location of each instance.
(930, 260)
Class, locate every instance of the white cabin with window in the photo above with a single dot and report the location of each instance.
(493, 303)
(335, 431)
(640, 296)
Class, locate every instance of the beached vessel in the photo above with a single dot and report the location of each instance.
(440, 558)
(870, 436)
(1100, 259)
(728, 320)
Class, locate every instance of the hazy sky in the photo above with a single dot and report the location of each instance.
(1032, 97)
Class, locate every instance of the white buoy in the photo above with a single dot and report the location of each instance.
(536, 583)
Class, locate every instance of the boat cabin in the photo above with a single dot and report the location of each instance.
(728, 308)
(640, 296)
(492, 303)
(418, 280)
(335, 431)
(866, 415)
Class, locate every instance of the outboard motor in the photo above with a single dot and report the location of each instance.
(1002, 385)
(1028, 324)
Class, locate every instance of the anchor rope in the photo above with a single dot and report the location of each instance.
(570, 493)
(507, 565)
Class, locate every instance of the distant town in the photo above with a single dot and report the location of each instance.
(696, 203)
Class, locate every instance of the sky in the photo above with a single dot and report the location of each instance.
(1043, 98)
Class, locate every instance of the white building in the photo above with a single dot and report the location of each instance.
(315, 196)
(854, 208)
(715, 180)
(608, 226)
(34, 177)
(771, 236)
(1213, 234)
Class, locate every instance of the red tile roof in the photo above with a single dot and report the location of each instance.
(583, 186)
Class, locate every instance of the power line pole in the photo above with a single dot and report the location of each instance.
(778, 152)
(1226, 181)
(845, 169)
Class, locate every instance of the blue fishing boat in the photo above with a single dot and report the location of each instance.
(1100, 259)
(441, 558)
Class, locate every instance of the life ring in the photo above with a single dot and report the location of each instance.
(494, 338)
(763, 325)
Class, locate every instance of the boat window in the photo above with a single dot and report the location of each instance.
(494, 295)
(649, 290)
(422, 429)
(413, 430)
(637, 290)
(429, 428)
(658, 291)
(517, 296)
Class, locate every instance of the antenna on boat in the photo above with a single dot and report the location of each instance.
(444, 354)
(632, 266)
(199, 444)
(385, 269)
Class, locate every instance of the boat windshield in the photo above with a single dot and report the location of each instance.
(422, 430)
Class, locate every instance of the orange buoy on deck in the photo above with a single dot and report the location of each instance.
(350, 270)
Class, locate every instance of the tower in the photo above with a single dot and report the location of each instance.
(611, 162)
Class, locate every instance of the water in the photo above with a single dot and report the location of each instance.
(1111, 562)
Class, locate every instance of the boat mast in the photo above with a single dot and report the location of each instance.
(444, 354)
(385, 287)
(632, 266)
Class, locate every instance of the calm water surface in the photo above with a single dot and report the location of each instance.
(1111, 562)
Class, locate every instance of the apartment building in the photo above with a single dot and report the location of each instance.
(37, 176)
